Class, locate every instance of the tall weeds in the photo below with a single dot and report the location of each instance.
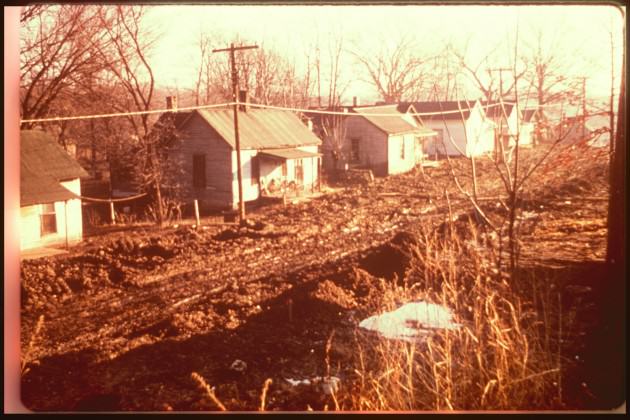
(503, 357)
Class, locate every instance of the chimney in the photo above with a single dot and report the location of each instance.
(171, 103)
(242, 98)
(355, 101)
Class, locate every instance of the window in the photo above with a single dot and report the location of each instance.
(199, 171)
(354, 151)
(402, 148)
(436, 143)
(255, 175)
(48, 219)
(285, 171)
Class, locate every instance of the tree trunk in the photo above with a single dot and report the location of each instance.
(616, 247)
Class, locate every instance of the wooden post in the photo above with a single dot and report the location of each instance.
(112, 213)
(319, 174)
(197, 213)
(241, 203)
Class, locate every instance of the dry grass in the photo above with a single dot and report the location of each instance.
(504, 357)
(201, 382)
(26, 358)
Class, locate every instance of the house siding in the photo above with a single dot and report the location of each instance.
(479, 132)
(30, 221)
(510, 129)
(453, 128)
(250, 192)
(473, 137)
(373, 148)
(199, 138)
(395, 164)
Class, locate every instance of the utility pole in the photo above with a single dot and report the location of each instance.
(500, 70)
(583, 106)
(241, 203)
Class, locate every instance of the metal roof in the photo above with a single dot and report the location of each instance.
(286, 154)
(431, 106)
(529, 113)
(259, 128)
(391, 125)
(44, 156)
(495, 111)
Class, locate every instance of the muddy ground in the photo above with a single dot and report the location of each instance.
(130, 314)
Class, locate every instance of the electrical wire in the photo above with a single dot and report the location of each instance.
(124, 114)
(253, 105)
(226, 104)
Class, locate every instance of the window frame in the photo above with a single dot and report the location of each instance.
(355, 149)
(199, 175)
(45, 217)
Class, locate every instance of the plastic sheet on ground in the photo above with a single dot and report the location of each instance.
(411, 322)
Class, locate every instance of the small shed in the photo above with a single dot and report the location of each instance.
(509, 121)
(50, 189)
(462, 127)
(383, 139)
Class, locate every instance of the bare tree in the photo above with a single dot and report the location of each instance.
(127, 60)
(204, 52)
(395, 71)
(547, 72)
(480, 73)
(57, 56)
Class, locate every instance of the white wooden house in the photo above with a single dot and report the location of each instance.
(50, 186)
(508, 122)
(383, 139)
(277, 151)
(462, 127)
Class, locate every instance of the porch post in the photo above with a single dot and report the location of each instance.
(65, 210)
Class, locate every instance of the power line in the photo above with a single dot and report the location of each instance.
(235, 98)
(121, 114)
(253, 105)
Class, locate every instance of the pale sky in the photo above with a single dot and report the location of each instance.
(292, 29)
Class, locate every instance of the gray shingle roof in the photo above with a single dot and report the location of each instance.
(40, 189)
(43, 163)
(44, 156)
(259, 128)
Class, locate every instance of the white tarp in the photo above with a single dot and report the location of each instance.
(412, 321)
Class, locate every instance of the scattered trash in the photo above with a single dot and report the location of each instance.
(410, 322)
(296, 382)
(529, 215)
(238, 365)
(328, 385)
